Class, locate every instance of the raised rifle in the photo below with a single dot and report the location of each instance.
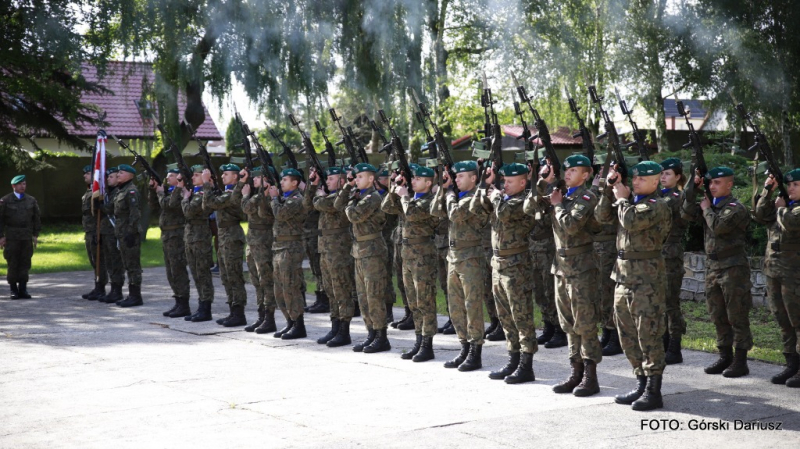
(443, 153)
(138, 159)
(268, 166)
(398, 150)
(530, 152)
(186, 172)
(492, 134)
(311, 153)
(346, 141)
(698, 160)
(583, 131)
(203, 152)
(762, 145)
(329, 150)
(637, 136)
(614, 148)
(245, 145)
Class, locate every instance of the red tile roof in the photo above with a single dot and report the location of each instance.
(460, 140)
(124, 79)
(562, 136)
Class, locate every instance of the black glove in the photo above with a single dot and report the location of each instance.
(130, 240)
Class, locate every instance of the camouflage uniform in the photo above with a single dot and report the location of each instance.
(288, 251)
(369, 251)
(419, 256)
(466, 262)
(511, 267)
(442, 242)
(673, 260)
(311, 244)
(388, 235)
(259, 248)
(197, 236)
(728, 284)
(227, 206)
(89, 222)
(486, 242)
(126, 229)
(397, 258)
(172, 224)
(335, 242)
(574, 269)
(108, 241)
(605, 257)
(20, 222)
(542, 246)
(639, 296)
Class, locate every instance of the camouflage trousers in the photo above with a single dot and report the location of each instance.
(513, 296)
(676, 325)
(288, 276)
(639, 314)
(199, 256)
(131, 259)
(466, 293)
(398, 272)
(488, 300)
(419, 276)
(231, 271)
(18, 254)
(175, 264)
(338, 273)
(370, 278)
(729, 301)
(784, 300)
(442, 268)
(90, 240)
(605, 256)
(391, 296)
(113, 259)
(544, 285)
(311, 244)
(260, 268)
(577, 306)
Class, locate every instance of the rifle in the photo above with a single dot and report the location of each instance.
(186, 173)
(138, 159)
(698, 161)
(762, 145)
(398, 150)
(348, 143)
(361, 152)
(206, 157)
(311, 153)
(543, 134)
(387, 146)
(266, 163)
(245, 145)
(491, 126)
(637, 136)
(329, 150)
(443, 153)
(614, 147)
(583, 131)
(287, 150)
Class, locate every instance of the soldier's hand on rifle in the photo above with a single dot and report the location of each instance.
(302, 185)
(780, 202)
(246, 189)
(243, 176)
(621, 191)
(770, 183)
(181, 184)
(705, 204)
(597, 177)
(153, 184)
(495, 193)
(313, 177)
(556, 197)
(206, 176)
(448, 182)
(159, 189)
(186, 193)
(489, 175)
(612, 175)
(401, 190)
(547, 174)
(698, 180)
(272, 191)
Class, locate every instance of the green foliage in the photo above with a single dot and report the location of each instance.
(43, 155)
(233, 139)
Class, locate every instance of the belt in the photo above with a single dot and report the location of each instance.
(288, 238)
(509, 251)
(171, 228)
(198, 221)
(416, 240)
(638, 255)
(725, 253)
(260, 226)
(785, 246)
(564, 252)
(462, 244)
(333, 231)
(226, 224)
(604, 238)
(368, 237)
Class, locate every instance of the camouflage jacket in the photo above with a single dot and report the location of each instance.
(465, 229)
(603, 232)
(419, 226)
(19, 218)
(783, 231)
(196, 215)
(643, 227)
(724, 226)
(290, 220)
(510, 226)
(673, 246)
(334, 227)
(391, 223)
(107, 209)
(126, 209)
(367, 218)
(88, 220)
(541, 238)
(170, 220)
(227, 205)
(259, 229)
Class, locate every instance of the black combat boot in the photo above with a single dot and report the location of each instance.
(196, 311)
(739, 366)
(220, 321)
(446, 325)
(511, 366)
(114, 295)
(23, 291)
(573, 380)
(792, 367)
(389, 313)
(174, 306)
(407, 324)
(380, 343)
(258, 322)
(524, 372)
(449, 328)
(183, 309)
(604, 337)
(651, 399)
(724, 361)
(414, 350)
(92, 295)
(134, 297)
(425, 350)
(589, 384)
(289, 324)
(14, 290)
(315, 304)
(665, 338)
(673, 354)
(323, 304)
(492, 326)
(559, 339)
(237, 316)
(613, 347)
(203, 312)
(498, 334)
(298, 330)
(335, 324)
(342, 337)
(370, 338)
(405, 317)
(473, 360)
(460, 357)
(268, 325)
(794, 381)
(547, 333)
(629, 397)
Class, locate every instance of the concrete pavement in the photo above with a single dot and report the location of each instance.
(78, 373)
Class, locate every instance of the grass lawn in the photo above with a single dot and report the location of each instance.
(61, 248)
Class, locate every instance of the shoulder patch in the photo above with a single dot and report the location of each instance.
(796, 211)
(133, 192)
(587, 197)
(652, 200)
(676, 194)
(579, 207)
(727, 212)
(642, 207)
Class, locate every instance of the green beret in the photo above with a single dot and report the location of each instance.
(111, 170)
(333, 171)
(424, 172)
(257, 171)
(646, 168)
(577, 160)
(672, 163)
(291, 172)
(87, 169)
(384, 172)
(17, 179)
(198, 168)
(230, 167)
(514, 169)
(177, 171)
(792, 176)
(126, 168)
(413, 166)
(719, 172)
(465, 166)
(362, 167)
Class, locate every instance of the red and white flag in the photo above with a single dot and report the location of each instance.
(99, 176)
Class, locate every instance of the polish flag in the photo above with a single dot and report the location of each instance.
(99, 175)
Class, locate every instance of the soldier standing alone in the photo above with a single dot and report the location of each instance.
(20, 224)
